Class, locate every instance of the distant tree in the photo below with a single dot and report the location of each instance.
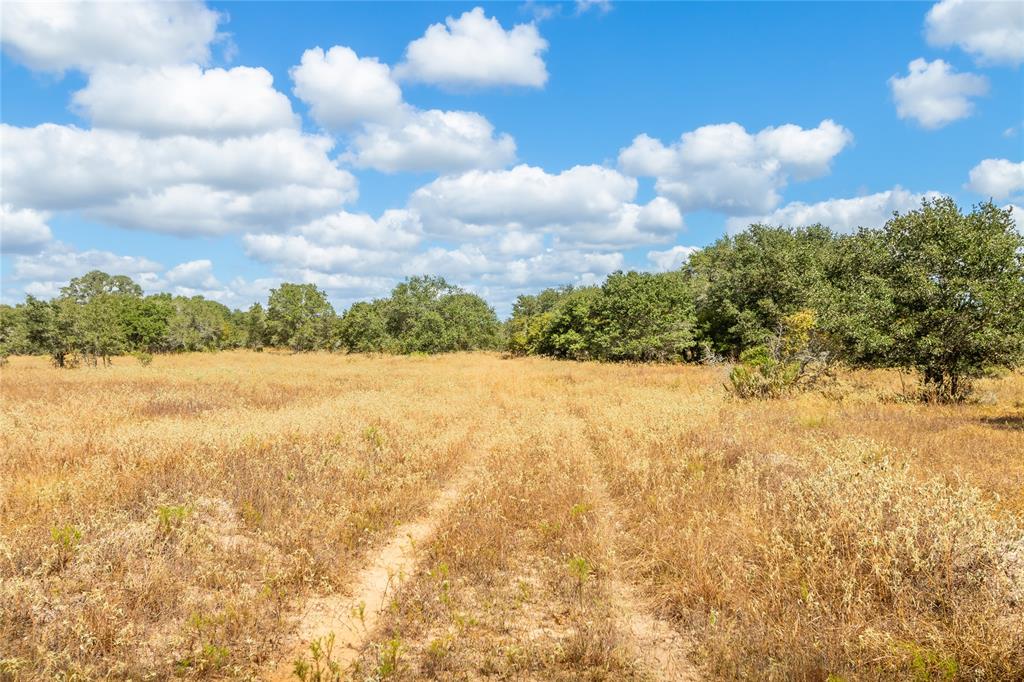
(944, 293)
(299, 317)
(100, 332)
(362, 328)
(744, 285)
(96, 283)
(469, 323)
(570, 330)
(13, 339)
(198, 324)
(644, 316)
(531, 315)
(145, 321)
(254, 325)
(410, 303)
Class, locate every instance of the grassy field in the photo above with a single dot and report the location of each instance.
(468, 516)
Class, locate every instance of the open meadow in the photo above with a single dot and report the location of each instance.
(468, 516)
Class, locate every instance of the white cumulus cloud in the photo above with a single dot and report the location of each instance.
(992, 31)
(476, 51)
(997, 178)
(934, 95)
(723, 167)
(842, 215)
(195, 274)
(433, 140)
(671, 259)
(185, 100)
(23, 230)
(343, 89)
(179, 184)
(56, 36)
(584, 204)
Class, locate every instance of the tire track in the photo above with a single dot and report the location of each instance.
(352, 617)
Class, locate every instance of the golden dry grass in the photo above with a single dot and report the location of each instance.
(619, 522)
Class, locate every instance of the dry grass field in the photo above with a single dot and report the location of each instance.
(468, 516)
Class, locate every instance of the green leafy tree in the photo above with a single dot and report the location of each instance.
(644, 317)
(570, 330)
(744, 285)
(945, 296)
(362, 329)
(469, 323)
(299, 317)
(198, 324)
(254, 326)
(100, 332)
(531, 315)
(97, 283)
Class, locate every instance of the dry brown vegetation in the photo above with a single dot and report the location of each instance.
(609, 521)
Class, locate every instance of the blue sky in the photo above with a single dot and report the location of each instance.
(212, 149)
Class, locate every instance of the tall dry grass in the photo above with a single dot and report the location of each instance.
(169, 521)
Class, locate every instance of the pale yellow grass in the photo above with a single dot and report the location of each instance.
(616, 522)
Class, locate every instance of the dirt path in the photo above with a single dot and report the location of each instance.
(661, 648)
(352, 617)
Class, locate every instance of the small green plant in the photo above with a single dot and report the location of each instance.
(388, 658)
(321, 667)
(440, 575)
(65, 539)
(145, 359)
(581, 570)
(169, 517)
(579, 509)
(373, 436)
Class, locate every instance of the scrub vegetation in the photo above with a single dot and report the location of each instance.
(799, 458)
(176, 519)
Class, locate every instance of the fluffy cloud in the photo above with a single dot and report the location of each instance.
(934, 95)
(991, 31)
(395, 229)
(433, 140)
(23, 231)
(61, 262)
(340, 242)
(180, 185)
(343, 89)
(997, 178)
(723, 167)
(346, 92)
(185, 100)
(55, 36)
(585, 204)
(195, 274)
(671, 259)
(842, 215)
(475, 51)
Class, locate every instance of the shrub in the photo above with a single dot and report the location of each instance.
(795, 358)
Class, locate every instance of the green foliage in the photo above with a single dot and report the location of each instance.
(531, 315)
(66, 539)
(422, 315)
(253, 324)
(321, 667)
(633, 316)
(362, 329)
(796, 357)
(745, 284)
(948, 297)
(935, 290)
(299, 317)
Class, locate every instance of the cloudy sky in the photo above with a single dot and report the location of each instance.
(222, 148)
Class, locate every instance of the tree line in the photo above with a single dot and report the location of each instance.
(935, 290)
